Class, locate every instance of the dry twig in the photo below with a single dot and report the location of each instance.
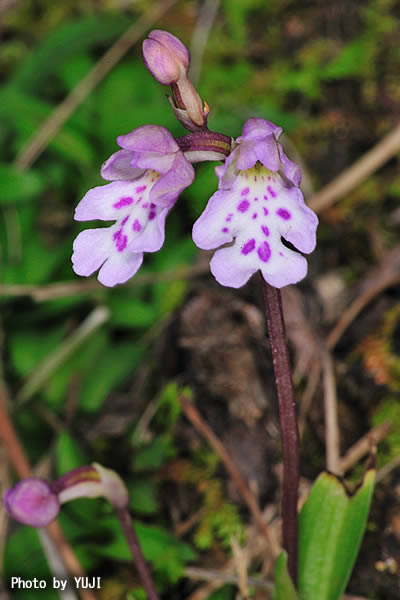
(207, 16)
(331, 416)
(199, 423)
(43, 293)
(364, 167)
(41, 138)
(363, 446)
(47, 367)
(385, 275)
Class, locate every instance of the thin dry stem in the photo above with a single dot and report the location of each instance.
(387, 469)
(331, 417)
(363, 446)
(199, 423)
(46, 368)
(41, 138)
(308, 394)
(364, 167)
(355, 308)
(207, 16)
(43, 293)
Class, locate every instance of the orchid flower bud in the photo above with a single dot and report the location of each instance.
(32, 502)
(168, 60)
(165, 57)
(35, 502)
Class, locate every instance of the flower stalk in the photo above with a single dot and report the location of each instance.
(288, 423)
(137, 554)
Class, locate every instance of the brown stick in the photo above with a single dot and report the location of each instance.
(332, 441)
(22, 467)
(355, 308)
(40, 139)
(42, 293)
(288, 423)
(199, 423)
(362, 447)
(364, 167)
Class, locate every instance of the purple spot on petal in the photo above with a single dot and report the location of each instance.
(136, 225)
(225, 230)
(269, 178)
(244, 191)
(254, 215)
(265, 230)
(124, 220)
(280, 253)
(255, 177)
(265, 210)
(141, 188)
(229, 217)
(123, 202)
(152, 215)
(271, 190)
(243, 206)
(264, 251)
(262, 178)
(145, 205)
(256, 199)
(246, 175)
(249, 246)
(284, 214)
(120, 240)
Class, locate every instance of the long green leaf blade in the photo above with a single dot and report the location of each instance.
(332, 525)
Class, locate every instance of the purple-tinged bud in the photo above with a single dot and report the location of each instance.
(165, 57)
(32, 502)
(168, 60)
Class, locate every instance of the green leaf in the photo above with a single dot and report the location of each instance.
(131, 312)
(154, 454)
(284, 588)
(28, 347)
(25, 558)
(19, 186)
(226, 592)
(109, 370)
(167, 554)
(142, 494)
(353, 60)
(332, 525)
(68, 454)
(26, 113)
(68, 40)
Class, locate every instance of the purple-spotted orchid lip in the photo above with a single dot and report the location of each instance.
(258, 203)
(146, 176)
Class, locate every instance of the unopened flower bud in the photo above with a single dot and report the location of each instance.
(165, 56)
(168, 60)
(32, 502)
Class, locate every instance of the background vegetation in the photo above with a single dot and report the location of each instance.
(94, 374)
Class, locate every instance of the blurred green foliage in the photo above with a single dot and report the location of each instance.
(327, 74)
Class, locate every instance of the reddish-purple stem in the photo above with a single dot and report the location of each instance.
(136, 551)
(288, 423)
